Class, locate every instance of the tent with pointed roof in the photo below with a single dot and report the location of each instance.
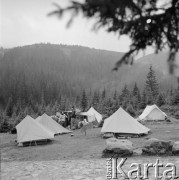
(49, 123)
(95, 114)
(30, 130)
(90, 117)
(122, 122)
(152, 113)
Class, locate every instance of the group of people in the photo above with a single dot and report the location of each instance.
(65, 118)
(69, 119)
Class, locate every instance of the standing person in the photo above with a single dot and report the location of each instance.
(85, 121)
(69, 119)
(63, 119)
(73, 116)
(60, 118)
(66, 119)
(80, 123)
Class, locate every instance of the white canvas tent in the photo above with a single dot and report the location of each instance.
(152, 113)
(90, 117)
(95, 114)
(49, 123)
(122, 122)
(30, 130)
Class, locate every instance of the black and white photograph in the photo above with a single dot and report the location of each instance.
(89, 89)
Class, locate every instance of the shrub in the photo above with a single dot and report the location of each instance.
(4, 126)
(176, 114)
(130, 110)
(101, 123)
(171, 110)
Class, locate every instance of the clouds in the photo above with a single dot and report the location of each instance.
(26, 22)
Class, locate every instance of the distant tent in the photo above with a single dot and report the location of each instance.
(30, 130)
(152, 113)
(49, 123)
(90, 117)
(122, 122)
(96, 114)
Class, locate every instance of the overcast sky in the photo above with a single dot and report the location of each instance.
(25, 22)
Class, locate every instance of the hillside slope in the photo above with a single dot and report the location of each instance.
(58, 70)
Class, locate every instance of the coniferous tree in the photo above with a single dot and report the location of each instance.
(176, 101)
(136, 97)
(56, 107)
(9, 107)
(115, 105)
(23, 92)
(108, 108)
(84, 101)
(120, 99)
(125, 91)
(125, 96)
(115, 101)
(171, 97)
(152, 87)
(135, 91)
(26, 111)
(139, 98)
(130, 110)
(4, 126)
(77, 101)
(59, 98)
(103, 94)
(48, 110)
(62, 105)
(90, 92)
(149, 98)
(102, 102)
(36, 108)
(143, 100)
(160, 100)
(96, 99)
(53, 109)
(115, 95)
(42, 103)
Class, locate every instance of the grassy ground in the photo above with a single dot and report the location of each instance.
(78, 146)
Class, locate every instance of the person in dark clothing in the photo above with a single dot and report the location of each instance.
(73, 116)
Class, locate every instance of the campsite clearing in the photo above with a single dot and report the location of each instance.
(79, 146)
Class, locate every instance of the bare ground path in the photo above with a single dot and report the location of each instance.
(94, 169)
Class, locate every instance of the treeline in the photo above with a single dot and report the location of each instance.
(29, 72)
(132, 100)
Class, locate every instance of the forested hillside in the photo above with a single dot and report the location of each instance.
(46, 77)
(53, 70)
